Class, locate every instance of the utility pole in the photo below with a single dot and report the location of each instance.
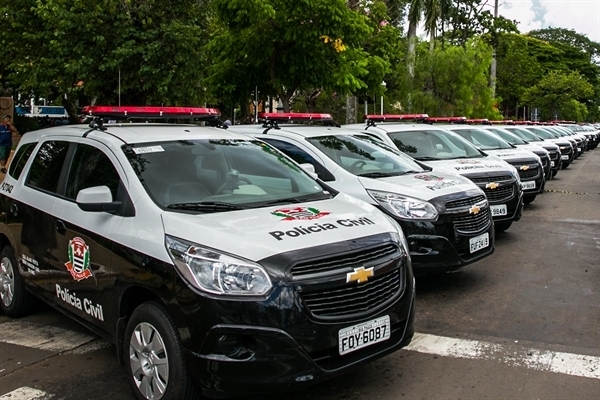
(493, 67)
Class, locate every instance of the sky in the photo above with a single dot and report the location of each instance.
(583, 16)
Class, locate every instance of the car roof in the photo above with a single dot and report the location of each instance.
(297, 129)
(132, 133)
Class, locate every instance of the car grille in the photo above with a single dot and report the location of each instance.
(464, 202)
(348, 300)
(474, 222)
(342, 264)
(554, 155)
(499, 194)
(532, 172)
(497, 178)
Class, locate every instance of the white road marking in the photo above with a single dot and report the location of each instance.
(511, 355)
(26, 393)
(581, 221)
(46, 337)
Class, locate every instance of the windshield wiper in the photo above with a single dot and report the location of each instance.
(206, 206)
(427, 158)
(376, 174)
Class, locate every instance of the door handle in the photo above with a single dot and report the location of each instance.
(61, 227)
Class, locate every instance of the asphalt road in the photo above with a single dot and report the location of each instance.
(521, 324)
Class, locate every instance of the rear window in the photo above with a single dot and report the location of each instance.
(47, 166)
(20, 159)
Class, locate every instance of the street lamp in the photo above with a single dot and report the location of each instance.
(384, 85)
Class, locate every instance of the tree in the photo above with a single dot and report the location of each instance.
(454, 81)
(562, 93)
(569, 37)
(75, 49)
(285, 46)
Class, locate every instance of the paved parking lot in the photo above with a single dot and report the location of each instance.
(521, 324)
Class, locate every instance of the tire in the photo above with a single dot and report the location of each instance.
(156, 365)
(565, 165)
(15, 300)
(554, 172)
(529, 199)
(502, 226)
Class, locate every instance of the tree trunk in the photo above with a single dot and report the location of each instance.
(351, 104)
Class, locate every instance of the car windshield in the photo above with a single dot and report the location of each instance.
(530, 134)
(430, 145)
(362, 155)
(508, 136)
(544, 132)
(209, 175)
(482, 139)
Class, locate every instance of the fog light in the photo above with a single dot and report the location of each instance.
(235, 346)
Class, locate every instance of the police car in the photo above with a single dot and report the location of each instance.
(528, 164)
(567, 149)
(216, 264)
(446, 151)
(445, 217)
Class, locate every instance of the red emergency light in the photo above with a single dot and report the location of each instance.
(279, 117)
(450, 120)
(150, 112)
(395, 117)
(480, 121)
(503, 122)
(523, 123)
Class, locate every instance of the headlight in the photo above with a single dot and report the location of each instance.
(515, 173)
(215, 272)
(404, 206)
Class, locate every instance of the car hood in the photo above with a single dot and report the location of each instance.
(424, 185)
(470, 165)
(262, 232)
(509, 155)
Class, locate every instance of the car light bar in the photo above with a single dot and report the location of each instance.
(448, 119)
(294, 117)
(480, 121)
(395, 117)
(150, 112)
(503, 122)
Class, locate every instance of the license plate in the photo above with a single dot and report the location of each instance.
(528, 185)
(579, 149)
(552, 163)
(565, 157)
(479, 242)
(498, 210)
(363, 335)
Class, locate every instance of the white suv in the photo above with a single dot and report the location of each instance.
(445, 217)
(204, 254)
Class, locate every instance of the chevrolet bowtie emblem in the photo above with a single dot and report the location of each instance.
(491, 185)
(474, 210)
(359, 275)
(524, 167)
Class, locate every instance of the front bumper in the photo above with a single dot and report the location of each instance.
(290, 339)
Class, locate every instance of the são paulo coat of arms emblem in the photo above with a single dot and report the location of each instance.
(79, 259)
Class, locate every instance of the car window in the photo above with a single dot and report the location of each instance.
(301, 157)
(434, 145)
(91, 167)
(20, 159)
(245, 173)
(47, 165)
(482, 139)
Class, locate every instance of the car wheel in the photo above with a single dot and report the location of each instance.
(554, 173)
(156, 367)
(15, 300)
(528, 199)
(565, 165)
(502, 226)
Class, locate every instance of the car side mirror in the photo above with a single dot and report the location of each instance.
(97, 199)
(310, 169)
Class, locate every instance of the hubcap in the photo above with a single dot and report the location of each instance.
(148, 361)
(7, 282)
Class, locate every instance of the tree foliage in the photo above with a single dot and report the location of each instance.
(286, 46)
(454, 81)
(561, 93)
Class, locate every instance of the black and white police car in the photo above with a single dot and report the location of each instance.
(445, 217)
(216, 264)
